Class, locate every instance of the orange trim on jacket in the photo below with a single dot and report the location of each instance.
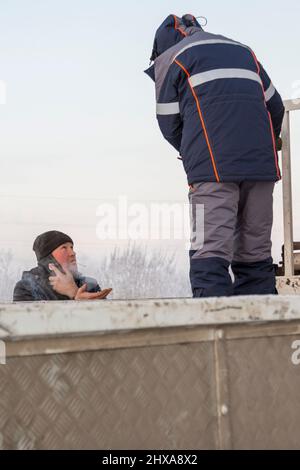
(202, 121)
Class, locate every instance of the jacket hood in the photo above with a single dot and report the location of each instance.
(33, 273)
(172, 30)
(41, 270)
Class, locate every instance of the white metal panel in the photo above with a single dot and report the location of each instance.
(36, 319)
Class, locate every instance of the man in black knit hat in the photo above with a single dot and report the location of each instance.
(56, 276)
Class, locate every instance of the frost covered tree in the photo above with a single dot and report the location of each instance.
(136, 273)
(8, 276)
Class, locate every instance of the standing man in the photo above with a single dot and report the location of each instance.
(219, 109)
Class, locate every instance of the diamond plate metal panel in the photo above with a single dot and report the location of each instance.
(149, 397)
(264, 393)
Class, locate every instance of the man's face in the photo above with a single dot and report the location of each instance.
(66, 256)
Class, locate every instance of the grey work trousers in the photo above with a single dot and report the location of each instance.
(237, 227)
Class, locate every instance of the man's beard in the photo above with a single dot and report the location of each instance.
(72, 267)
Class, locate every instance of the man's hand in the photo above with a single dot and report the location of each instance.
(83, 295)
(63, 283)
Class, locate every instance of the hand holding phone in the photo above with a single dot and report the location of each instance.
(63, 283)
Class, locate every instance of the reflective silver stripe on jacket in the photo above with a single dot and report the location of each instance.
(164, 109)
(270, 92)
(204, 77)
(205, 42)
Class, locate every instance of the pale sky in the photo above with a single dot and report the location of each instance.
(79, 128)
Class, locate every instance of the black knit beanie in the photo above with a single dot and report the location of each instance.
(47, 242)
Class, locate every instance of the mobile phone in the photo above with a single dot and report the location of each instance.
(52, 260)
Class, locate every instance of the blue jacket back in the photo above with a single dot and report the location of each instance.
(216, 105)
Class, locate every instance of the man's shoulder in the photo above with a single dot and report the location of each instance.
(25, 288)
